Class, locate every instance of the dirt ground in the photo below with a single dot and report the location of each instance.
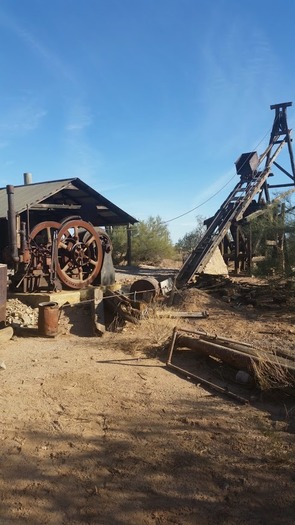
(97, 430)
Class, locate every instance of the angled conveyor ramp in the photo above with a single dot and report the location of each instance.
(251, 183)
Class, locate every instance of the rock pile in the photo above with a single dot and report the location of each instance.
(20, 314)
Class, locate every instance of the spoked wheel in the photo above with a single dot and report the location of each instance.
(80, 256)
(104, 239)
(42, 234)
(42, 241)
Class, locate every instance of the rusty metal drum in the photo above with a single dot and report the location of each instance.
(145, 289)
(48, 319)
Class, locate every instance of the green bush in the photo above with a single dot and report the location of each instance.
(150, 242)
(190, 240)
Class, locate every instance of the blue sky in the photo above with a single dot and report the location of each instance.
(150, 102)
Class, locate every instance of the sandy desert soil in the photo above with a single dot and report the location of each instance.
(99, 431)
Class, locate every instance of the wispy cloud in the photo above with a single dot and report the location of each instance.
(79, 118)
(240, 59)
(50, 59)
(81, 158)
(221, 184)
(239, 72)
(20, 116)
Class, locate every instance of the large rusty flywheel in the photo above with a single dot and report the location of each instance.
(78, 250)
(42, 235)
(80, 257)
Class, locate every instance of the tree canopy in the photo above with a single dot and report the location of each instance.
(151, 242)
(190, 240)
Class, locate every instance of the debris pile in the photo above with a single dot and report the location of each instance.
(271, 295)
(269, 370)
(20, 314)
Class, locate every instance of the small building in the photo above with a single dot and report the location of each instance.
(32, 216)
(56, 200)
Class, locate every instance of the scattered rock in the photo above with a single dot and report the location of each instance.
(6, 334)
(20, 314)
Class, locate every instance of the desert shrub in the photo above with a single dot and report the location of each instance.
(190, 240)
(150, 241)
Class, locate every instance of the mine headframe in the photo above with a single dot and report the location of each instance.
(224, 229)
(280, 134)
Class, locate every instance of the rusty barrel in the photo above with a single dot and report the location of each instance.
(48, 319)
(145, 289)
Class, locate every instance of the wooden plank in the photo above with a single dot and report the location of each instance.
(240, 359)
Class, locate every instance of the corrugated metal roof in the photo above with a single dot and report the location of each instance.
(66, 191)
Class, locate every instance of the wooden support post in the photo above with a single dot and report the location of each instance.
(98, 312)
(129, 245)
(281, 239)
(237, 249)
(250, 254)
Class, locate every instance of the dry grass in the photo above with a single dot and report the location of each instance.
(272, 374)
(158, 329)
(150, 336)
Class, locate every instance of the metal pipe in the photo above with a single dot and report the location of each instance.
(28, 178)
(204, 382)
(11, 216)
(23, 238)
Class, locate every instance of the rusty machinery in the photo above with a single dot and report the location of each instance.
(52, 255)
(225, 229)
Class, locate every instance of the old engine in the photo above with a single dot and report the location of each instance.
(72, 254)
